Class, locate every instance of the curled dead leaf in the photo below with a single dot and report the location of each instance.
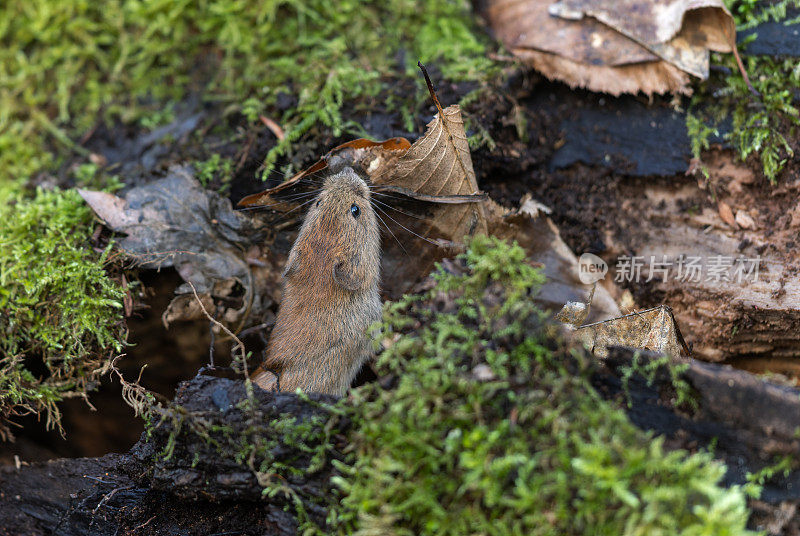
(367, 155)
(615, 46)
(650, 78)
(542, 242)
(425, 194)
(679, 32)
(175, 222)
(652, 329)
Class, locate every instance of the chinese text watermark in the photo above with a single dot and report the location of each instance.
(662, 268)
(687, 269)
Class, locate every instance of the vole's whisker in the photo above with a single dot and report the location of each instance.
(308, 180)
(409, 230)
(257, 207)
(302, 194)
(387, 205)
(391, 196)
(298, 207)
(288, 199)
(391, 233)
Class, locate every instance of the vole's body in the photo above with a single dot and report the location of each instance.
(330, 294)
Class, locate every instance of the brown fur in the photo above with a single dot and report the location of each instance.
(330, 295)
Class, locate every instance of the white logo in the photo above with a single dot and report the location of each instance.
(591, 268)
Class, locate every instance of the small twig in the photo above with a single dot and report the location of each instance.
(431, 90)
(257, 328)
(732, 40)
(245, 152)
(211, 346)
(97, 479)
(144, 524)
(273, 126)
(108, 496)
(223, 328)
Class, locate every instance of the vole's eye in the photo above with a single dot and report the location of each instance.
(319, 201)
(354, 210)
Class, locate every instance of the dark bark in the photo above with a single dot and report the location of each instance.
(751, 422)
(197, 490)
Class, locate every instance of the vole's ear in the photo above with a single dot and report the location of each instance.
(349, 273)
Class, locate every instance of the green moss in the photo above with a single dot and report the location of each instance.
(60, 318)
(523, 447)
(66, 63)
(761, 125)
(216, 167)
(648, 369)
(782, 466)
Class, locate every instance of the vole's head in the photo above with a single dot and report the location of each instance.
(340, 230)
(344, 204)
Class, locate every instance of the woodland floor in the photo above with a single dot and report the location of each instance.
(610, 203)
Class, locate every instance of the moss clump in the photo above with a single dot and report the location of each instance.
(60, 315)
(649, 369)
(63, 62)
(760, 124)
(216, 167)
(492, 428)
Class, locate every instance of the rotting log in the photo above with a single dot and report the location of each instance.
(749, 421)
(726, 317)
(174, 481)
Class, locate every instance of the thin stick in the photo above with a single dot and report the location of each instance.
(739, 63)
(144, 524)
(108, 496)
(223, 328)
(431, 90)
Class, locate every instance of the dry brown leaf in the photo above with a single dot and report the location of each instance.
(175, 222)
(185, 307)
(653, 329)
(648, 78)
(615, 46)
(726, 213)
(366, 154)
(649, 22)
(437, 164)
(436, 170)
(540, 238)
(679, 31)
(527, 25)
(744, 220)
